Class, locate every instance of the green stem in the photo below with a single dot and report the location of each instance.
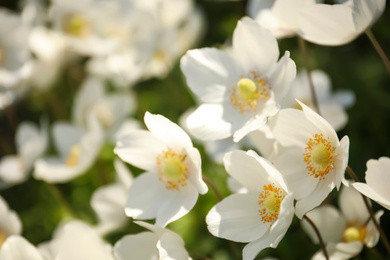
(378, 49)
(305, 60)
(57, 194)
(353, 175)
(322, 244)
(210, 183)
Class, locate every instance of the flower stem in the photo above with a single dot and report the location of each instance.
(305, 60)
(378, 49)
(371, 212)
(57, 194)
(212, 185)
(322, 244)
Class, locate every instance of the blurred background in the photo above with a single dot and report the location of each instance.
(354, 66)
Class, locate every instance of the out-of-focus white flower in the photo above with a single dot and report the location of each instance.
(170, 186)
(241, 90)
(76, 240)
(87, 25)
(77, 150)
(18, 248)
(339, 23)
(331, 105)
(51, 52)
(377, 181)
(109, 201)
(278, 16)
(110, 110)
(344, 232)
(15, 65)
(10, 223)
(31, 143)
(34, 12)
(160, 244)
(313, 160)
(262, 215)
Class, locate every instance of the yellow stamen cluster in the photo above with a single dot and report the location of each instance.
(269, 201)
(172, 169)
(354, 232)
(76, 25)
(319, 156)
(73, 157)
(249, 91)
(3, 237)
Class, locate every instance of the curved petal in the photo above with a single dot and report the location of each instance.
(372, 194)
(365, 12)
(237, 218)
(372, 233)
(335, 115)
(138, 246)
(12, 170)
(171, 246)
(208, 72)
(352, 205)
(254, 46)
(377, 176)
(66, 135)
(195, 169)
(167, 131)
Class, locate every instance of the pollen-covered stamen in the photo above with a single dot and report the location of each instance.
(76, 25)
(269, 201)
(3, 237)
(73, 156)
(249, 91)
(319, 156)
(172, 169)
(354, 232)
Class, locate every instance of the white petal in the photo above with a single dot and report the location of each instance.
(195, 170)
(65, 136)
(352, 205)
(327, 24)
(208, 73)
(170, 247)
(282, 76)
(125, 177)
(340, 251)
(135, 247)
(237, 218)
(377, 176)
(365, 12)
(335, 115)
(177, 205)
(10, 223)
(18, 248)
(372, 194)
(168, 132)
(329, 222)
(254, 47)
(140, 148)
(12, 170)
(372, 233)
(207, 123)
(252, 249)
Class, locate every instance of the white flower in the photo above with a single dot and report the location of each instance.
(262, 215)
(10, 223)
(18, 248)
(330, 105)
(76, 240)
(344, 232)
(109, 201)
(31, 143)
(77, 150)
(339, 23)
(279, 16)
(240, 90)
(15, 65)
(378, 181)
(313, 160)
(110, 110)
(169, 188)
(161, 244)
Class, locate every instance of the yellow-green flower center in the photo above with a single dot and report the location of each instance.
(354, 232)
(76, 25)
(73, 156)
(249, 91)
(246, 89)
(172, 169)
(3, 237)
(269, 201)
(319, 156)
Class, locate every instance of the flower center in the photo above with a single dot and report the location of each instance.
(319, 156)
(249, 91)
(172, 169)
(269, 201)
(73, 157)
(76, 25)
(3, 237)
(354, 233)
